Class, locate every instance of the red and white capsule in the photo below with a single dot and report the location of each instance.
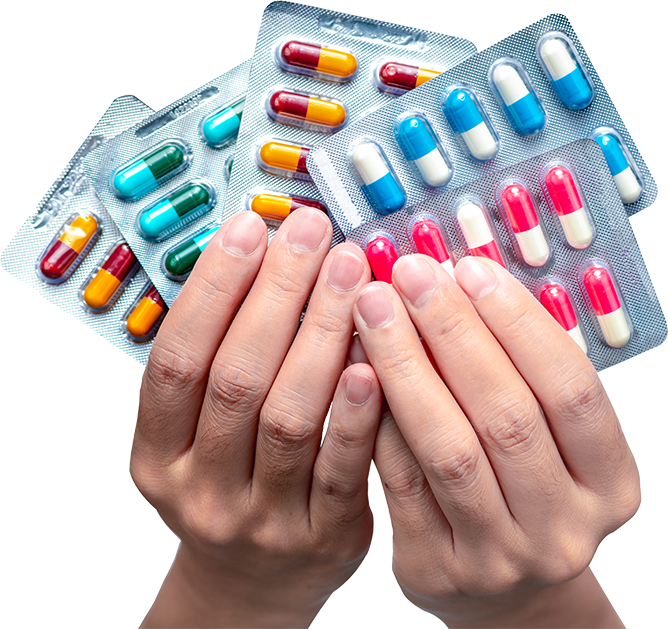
(381, 252)
(477, 232)
(554, 297)
(427, 237)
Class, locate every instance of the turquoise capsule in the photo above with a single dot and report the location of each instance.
(222, 126)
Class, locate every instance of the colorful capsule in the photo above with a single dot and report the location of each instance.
(222, 126)
(606, 303)
(421, 147)
(427, 237)
(141, 322)
(559, 186)
(381, 252)
(565, 71)
(477, 232)
(174, 211)
(275, 207)
(148, 171)
(554, 297)
(317, 61)
(306, 110)
(619, 163)
(521, 215)
(396, 78)
(376, 177)
(469, 122)
(64, 253)
(180, 260)
(107, 283)
(284, 158)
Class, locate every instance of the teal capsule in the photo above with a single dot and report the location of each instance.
(222, 126)
(180, 260)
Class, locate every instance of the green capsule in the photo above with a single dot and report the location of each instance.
(180, 260)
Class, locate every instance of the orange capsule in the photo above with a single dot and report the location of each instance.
(141, 323)
(275, 207)
(318, 61)
(306, 109)
(101, 292)
(284, 158)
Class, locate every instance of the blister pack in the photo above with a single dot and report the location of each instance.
(73, 254)
(164, 180)
(529, 93)
(314, 72)
(556, 222)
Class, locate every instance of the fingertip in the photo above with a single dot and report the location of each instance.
(477, 276)
(359, 383)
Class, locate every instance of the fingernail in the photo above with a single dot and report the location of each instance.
(413, 277)
(475, 277)
(357, 389)
(375, 307)
(244, 234)
(345, 271)
(307, 230)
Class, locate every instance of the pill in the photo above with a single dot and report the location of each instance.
(379, 183)
(222, 126)
(607, 306)
(382, 253)
(477, 232)
(167, 215)
(466, 119)
(277, 207)
(180, 260)
(555, 299)
(145, 314)
(78, 232)
(145, 174)
(307, 108)
(284, 158)
(519, 103)
(523, 218)
(625, 179)
(428, 239)
(420, 146)
(119, 266)
(568, 80)
(336, 64)
(574, 219)
(402, 76)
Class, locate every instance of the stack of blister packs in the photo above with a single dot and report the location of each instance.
(410, 140)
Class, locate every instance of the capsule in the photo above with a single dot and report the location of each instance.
(79, 234)
(477, 232)
(560, 187)
(520, 211)
(296, 107)
(222, 126)
(517, 98)
(467, 119)
(180, 260)
(381, 252)
(376, 177)
(554, 297)
(420, 146)
(105, 286)
(141, 322)
(146, 172)
(176, 210)
(275, 208)
(395, 77)
(427, 238)
(316, 60)
(569, 81)
(607, 305)
(623, 174)
(284, 158)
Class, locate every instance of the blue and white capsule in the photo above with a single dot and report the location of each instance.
(470, 123)
(565, 70)
(517, 98)
(621, 164)
(376, 177)
(422, 148)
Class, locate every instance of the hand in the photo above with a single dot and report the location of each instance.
(505, 471)
(227, 446)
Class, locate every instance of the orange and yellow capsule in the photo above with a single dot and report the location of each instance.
(302, 109)
(397, 78)
(106, 285)
(142, 321)
(275, 207)
(317, 61)
(284, 158)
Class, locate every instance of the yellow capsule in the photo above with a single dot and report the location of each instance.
(116, 269)
(276, 207)
(79, 232)
(146, 314)
(314, 58)
(425, 75)
(284, 156)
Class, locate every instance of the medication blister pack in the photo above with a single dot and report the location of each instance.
(314, 72)
(164, 180)
(73, 254)
(529, 93)
(556, 222)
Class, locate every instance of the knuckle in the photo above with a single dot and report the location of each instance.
(456, 329)
(582, 395)
(626, 501)
(406, 481)
(285, 428)
(284, 283)
(515, 426)
(455, 465)
(147, 478)
(231, 388)
(171, 369)
(568, 558)
(326, 325)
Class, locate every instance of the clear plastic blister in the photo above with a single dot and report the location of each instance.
(275, 206)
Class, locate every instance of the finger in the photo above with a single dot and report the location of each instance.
(189, 337)
(356, 353)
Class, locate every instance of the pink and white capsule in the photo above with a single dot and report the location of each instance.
(554, 297)
(381, 252)
(477, 232)
(428, 239)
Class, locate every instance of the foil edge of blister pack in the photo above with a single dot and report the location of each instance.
(614, 243)
(179, 120)
(328, 163)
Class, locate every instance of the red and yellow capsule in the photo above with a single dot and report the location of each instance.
(304, 109)
(141, 322)
(275, 207)
(106, 284)
(396, 78)
(317, 61)
(284, 158)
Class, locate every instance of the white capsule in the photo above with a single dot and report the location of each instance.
(628, 185)
(615, 328)
(557, 58)
(480, 142)
(433, 168)
(576, 334)
(533, 246)
(577, 228)
(369, 162)
(448, 266)
(474, 225)
(509, 83)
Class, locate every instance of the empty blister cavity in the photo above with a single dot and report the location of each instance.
(221, 127)
(428, 238)
(476, 229)
(395, 77)
(382, 252)
(512, 88)
(275, 207)
(283, 158)
(178, 262)
(316, 61)
(470, 123)
(142, 319)
(422, 148)
(555, 298)
(622, 166)
(565, 70)
(309, 111)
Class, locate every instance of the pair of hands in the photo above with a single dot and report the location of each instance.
(503, 463)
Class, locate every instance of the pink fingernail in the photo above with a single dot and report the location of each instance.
(413, 277)
(345, 271)
(357, 389)
(244, 234)
(307, 229)
(475, 277)
(375, 307)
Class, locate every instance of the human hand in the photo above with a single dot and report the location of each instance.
(227, 445)
(505, 471)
